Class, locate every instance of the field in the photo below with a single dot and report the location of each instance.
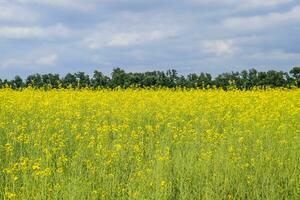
(149, 144)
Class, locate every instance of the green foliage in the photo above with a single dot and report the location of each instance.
(295, 72)
(243, 80)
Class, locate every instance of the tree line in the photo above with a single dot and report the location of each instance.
(245, 79)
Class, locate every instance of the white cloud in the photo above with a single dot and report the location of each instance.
(135, 33)
(263, 3)
(263, 21)
(47, 60)
(16, 13)
(218, 47)
(128, 29)
(126, 38)
(33, 32)
(32, 61)
(243, 4)
(69, 4)
(274, 55)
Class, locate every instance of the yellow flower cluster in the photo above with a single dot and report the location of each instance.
(149, 144)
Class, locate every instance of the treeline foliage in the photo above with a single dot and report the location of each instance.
(171, 79)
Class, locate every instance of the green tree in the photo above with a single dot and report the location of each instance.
(119, 78)
(172, 78)
(99, 80)
(192, 80)
(275, 78)
(253, 79)
(223, 80)
(204, 80)
(51, 80)
(34, 81)
(295, 72)
(149, 79)
(83, 80)
(69, 81)
(245, 82)
(17, 82)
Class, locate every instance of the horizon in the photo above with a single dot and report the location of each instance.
(90, 74)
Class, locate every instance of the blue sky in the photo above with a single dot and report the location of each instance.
(60, 36)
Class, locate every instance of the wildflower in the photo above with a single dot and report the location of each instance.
(8, 147)
(36, 166)
(163, 183)
(59, 170)
(10, 195)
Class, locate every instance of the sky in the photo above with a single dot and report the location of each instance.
(191, 36)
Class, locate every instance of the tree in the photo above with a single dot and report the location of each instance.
(82, 79)
(99, 80)
(222, 80)
(149, 80)
(182, 82)
(295, 72)
(34, 81)
(17, 82)
(204, 80)
(192, 80)
(245, 82)
(55, 80)
(137, 79)
(275, 79)
(69, 81)
(253, 78)
(51, 80)
(119, 78)
(6, 83)
(261, 79)
(171, 78)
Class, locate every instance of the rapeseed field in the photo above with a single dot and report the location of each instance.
(149, 144)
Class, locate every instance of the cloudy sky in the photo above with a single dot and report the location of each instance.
(215, 36)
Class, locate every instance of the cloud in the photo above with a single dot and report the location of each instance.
(82, 4)
(138, 34)
(66, 4)
(275, 55)
(33, 32)
(16, 13)
(260, 3)
(47, 60)
(126, 38)
(32, 61)
(128, 29)
(218, 47)
(242, 4)
(263, 21)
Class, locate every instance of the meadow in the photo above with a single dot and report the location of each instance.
(149, 144)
